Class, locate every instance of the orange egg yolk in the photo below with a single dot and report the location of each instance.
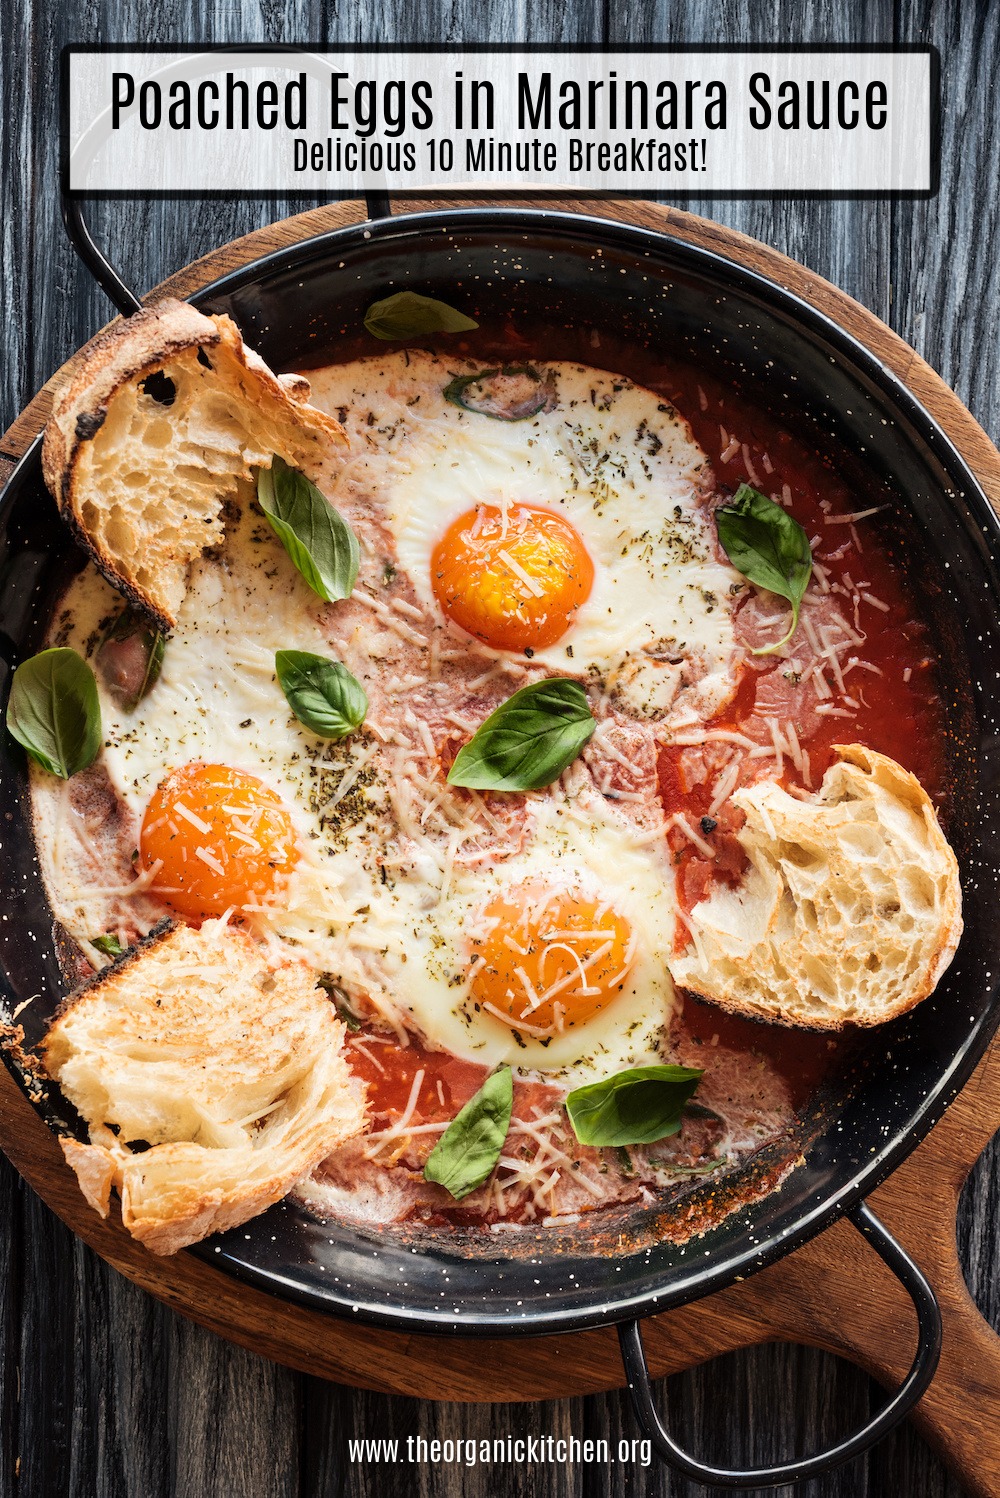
(549, 960)
(514, 585)
(217, 839)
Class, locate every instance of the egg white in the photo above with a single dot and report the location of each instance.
(387, 916)
(576, 846)
(394, 931)
(617, 461)
(217, 698)
(408, 946)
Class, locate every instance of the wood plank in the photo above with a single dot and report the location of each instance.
(44, 322)
(47, 1427)
(946, 289)
(847, 241)
(233, 1419)
(12, 1195)
(804, 1298)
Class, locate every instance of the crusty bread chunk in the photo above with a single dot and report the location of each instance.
(165, 417)
(231, 1072)
(851, 908)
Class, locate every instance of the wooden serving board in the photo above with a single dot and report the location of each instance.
(833, 1293)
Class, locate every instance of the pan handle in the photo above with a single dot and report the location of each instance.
(378, 203)
(921, 1372)
(103, 271)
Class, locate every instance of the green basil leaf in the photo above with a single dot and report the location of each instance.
(472, 1143)
(130, 658)
(769, 547)
(317, 538)
(528, 741)
(703, 1168)
(154, 665)
(322, 694)
(54, 711)
(407, 314)
(108, 944)
(513, 392)
(637, 1106)
(341, 1002)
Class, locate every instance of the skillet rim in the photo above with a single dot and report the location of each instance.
(609, 1309)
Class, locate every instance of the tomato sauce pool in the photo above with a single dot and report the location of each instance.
(894, 697)
(891, 695)
(434, 1085)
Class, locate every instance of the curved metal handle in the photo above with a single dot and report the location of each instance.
(95, 260)
(103, 271)
(378, 203)
(921, 1372)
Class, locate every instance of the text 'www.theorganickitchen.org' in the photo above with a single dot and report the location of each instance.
(499, 1451)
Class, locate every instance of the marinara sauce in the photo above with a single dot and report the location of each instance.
(887, 698)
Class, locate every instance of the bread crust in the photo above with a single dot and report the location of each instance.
(114, 969)
(169, 333)
(753, 955)
(210, 1082)
(129, 349)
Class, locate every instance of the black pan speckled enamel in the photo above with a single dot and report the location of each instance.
(532, 265)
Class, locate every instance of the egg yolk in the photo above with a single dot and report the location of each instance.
(216, 839)
(549, 959)
(514, 583)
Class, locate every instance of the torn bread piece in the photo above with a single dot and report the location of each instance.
(849, 913)
(167, 415)
(210, 1083)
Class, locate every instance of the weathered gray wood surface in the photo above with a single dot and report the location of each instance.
(104, 1393)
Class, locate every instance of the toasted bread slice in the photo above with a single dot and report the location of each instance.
(166, 415)
(232, 1073)
(851, 908)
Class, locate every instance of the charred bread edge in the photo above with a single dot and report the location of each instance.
(59, 449)
(131, 594)
(99, 380)
(153, 938)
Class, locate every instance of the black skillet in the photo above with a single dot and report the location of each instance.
(542, 266)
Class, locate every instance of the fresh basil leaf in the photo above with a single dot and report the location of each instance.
(528, 741)
(703, 1168)
(130, 658)
(769, 547)
(317, 538)
(108, 944)
(513, 392)
(407, 314)
(341, 1002)
(54, 711)
(637, 1106)
(322, 694)
(157, 645)
(472, 1143)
